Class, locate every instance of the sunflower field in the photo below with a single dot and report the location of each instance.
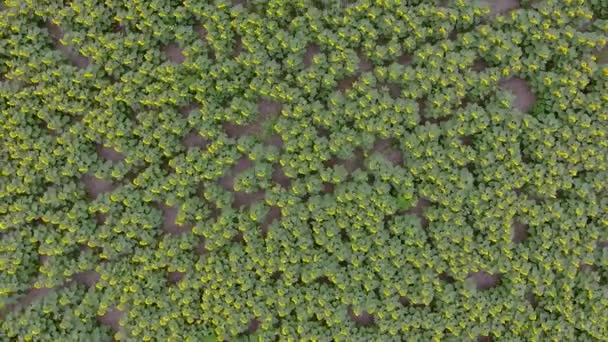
(303, 170)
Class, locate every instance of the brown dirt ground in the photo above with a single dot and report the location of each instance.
(364, 63)
(275, 140)
(111, 318)
(100, 218)
(269, 107)
(193, 139)
(404, 59)
(273, 215)
(175, 277)
(174, 53)
(279, 177)
(266, 109)
(519, 232)
(73, 56)
(96, 186)
(108, 153)
(31, 296)
(328, 188)
(418, 210)
(169, 217)
(190, 107)
(253, 326)
(238, 47)
(243, 199)
(394, 90)
(387, 149)
(485, 280)
(352, 164)
(311, 50)
(479, 65)
(466, 140)
(602, 56)
(200, 30)
(503, 6)
(524, 98)
(118, 28)
(227, 180)
(87, 278)
(346, 83)
(364, 319)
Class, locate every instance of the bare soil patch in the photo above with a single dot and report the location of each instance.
(201, 31)
(111, 318)
(31, 296)
(519, 232)
(524, 98)
(311, 51)
(117, 28)
(405, 59)
(328, 188)
(503, 6)
(238, 47)
(190, 107)
(95, 186)
(346, 83)
(274, 214)
(244, 199)
(479, 65)
(100, 218)
(351, 164)
(227, 180)
(73, 56)
(87, 278)
(235, 131)
(193, 139)
(279, 177)
(387, 148)
(175, 277)
(484, 280)
(586, 268)
(602, 56)
(418, 210)
(253, 326)
(269, 107)
(446, 278)
(275, 140)
(466, 140)
(364, 319)
(169, 218)
(364, 63)
(394, 90)
(266, 110)
(200, 248)
(173, 53)
(532, 299)
(109, 153)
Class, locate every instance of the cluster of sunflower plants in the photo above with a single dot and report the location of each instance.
(303, 170)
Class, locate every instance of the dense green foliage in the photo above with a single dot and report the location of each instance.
(303, 170)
